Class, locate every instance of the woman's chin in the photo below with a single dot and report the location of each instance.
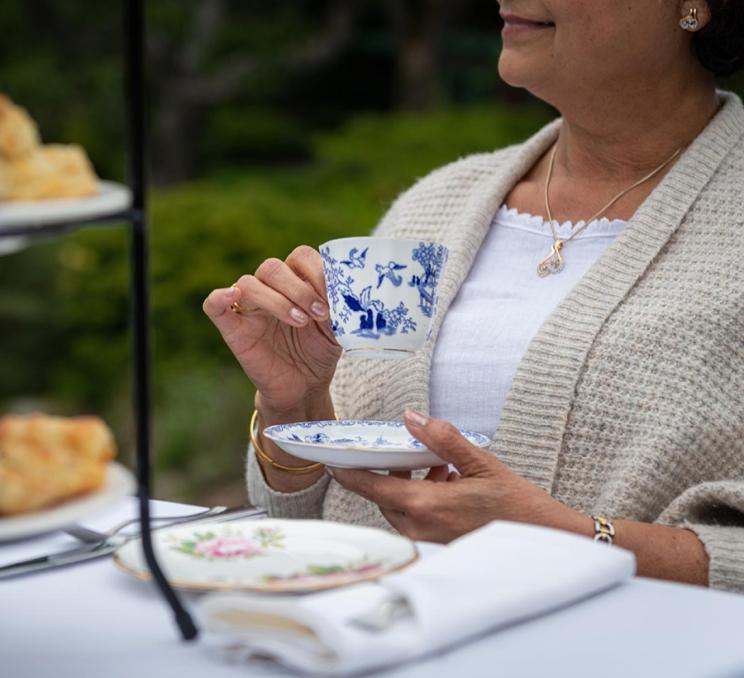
(518, 71)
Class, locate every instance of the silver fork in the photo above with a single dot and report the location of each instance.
(89, 536)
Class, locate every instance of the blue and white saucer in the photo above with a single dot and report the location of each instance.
(356, 443)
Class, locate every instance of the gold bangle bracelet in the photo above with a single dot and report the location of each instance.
(265, 457)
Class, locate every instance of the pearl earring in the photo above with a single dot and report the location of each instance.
(690, 22)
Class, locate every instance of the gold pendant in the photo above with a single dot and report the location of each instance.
(553, 263)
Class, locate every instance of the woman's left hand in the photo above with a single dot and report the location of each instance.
(446, 505)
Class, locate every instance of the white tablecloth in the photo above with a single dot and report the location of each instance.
(91, 620)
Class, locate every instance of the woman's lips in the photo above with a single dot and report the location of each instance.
(516, 25)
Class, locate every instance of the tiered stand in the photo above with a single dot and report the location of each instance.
(132, 212)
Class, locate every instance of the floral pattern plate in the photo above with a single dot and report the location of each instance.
(354, 443)
(269, 555)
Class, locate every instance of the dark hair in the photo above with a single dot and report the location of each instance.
(720, 45)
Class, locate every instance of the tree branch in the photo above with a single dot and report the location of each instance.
(220, 85)
(206, 22)
(337, 32)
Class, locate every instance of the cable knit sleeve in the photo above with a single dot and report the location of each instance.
(714, 511)
(307, 503)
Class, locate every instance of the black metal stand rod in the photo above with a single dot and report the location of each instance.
(134, 61)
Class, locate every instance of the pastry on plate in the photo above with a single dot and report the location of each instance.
(18, 131)
(45, 460)
(31, 171)
(50, 171)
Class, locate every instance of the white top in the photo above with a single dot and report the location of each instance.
(499, 308)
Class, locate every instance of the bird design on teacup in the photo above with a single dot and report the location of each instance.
(389, 271)
(356, 260)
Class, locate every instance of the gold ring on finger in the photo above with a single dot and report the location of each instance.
(235, 307)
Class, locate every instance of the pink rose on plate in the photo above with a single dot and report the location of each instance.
(227, 547)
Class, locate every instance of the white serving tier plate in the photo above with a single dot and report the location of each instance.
(118, 484)
(111, 198)
(355, 443)
(269, 555)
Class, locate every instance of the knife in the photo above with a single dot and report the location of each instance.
(76, 555)
(86, 552)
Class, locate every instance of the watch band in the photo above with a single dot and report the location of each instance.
(604, 530)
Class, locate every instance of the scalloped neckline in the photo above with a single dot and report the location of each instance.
(602, 226)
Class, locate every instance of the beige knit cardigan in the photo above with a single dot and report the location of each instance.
(629, 401)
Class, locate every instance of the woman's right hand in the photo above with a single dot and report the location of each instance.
(283, 338)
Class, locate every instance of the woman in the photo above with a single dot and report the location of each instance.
(612, 381)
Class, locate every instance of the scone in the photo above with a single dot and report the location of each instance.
(50, 171)
(4, 179)
(44, 460)
(29, 171)
(18, 132)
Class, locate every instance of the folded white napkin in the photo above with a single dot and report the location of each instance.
(495, 576)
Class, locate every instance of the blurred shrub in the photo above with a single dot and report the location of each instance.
(386, 154)
(203, 235)
(236, 134)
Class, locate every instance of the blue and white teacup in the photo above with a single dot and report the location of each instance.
(382, 293)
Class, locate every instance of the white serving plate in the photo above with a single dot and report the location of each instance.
(356, 443)
(111, 198)
(118, 484)
(269, 555)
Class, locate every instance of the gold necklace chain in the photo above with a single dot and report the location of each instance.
(553, 263)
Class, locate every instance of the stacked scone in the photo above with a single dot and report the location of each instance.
(32, 171)
(45, 460)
